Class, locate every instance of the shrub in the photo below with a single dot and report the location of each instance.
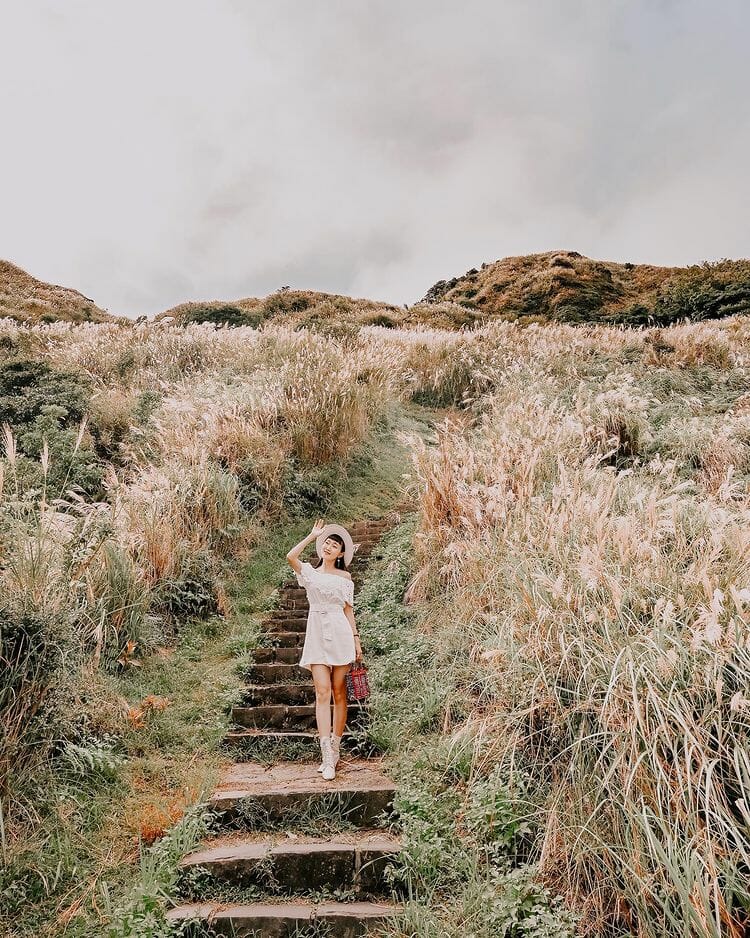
(193, 595)
(42, 404)
(286, 301)
(27, 386)
(705, 291)
(36, 650)
(225, 315)
(380, 319)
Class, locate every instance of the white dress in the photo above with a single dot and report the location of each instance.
(328, 636)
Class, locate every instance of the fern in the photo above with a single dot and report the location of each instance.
(95, 757)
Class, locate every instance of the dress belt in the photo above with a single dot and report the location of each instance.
(326, 606)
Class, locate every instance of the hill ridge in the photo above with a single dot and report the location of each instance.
(557, 286)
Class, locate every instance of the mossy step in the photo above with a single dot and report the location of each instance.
(282, 638)
(284, 920)
(289, 654)
(292, 607)
(293, 604)
(294, 592)
(360, 787)
(286, 716)
(253, 732)
(276, 673)
(256, 695)
(285, 625)
(299, 864)
(250, 742)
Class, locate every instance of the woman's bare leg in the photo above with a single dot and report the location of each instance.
(322, 680)
(339, 698)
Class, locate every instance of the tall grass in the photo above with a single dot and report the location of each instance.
(213, 440)
(581, 549)
(603, 585)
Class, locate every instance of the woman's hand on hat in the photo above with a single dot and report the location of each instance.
(317, 527)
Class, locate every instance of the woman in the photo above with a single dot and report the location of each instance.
(331, 637)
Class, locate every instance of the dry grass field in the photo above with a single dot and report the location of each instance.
(577, 568)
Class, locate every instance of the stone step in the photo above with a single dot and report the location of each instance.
(299, 864)
(285, 655)
(250, 742)
(257, 695)
(287, 716)
(288, 624)
(278, 791)
(284, 920)
(276, 673)
(293, 604)
(294, 592)
(249, 733)
(282, 638)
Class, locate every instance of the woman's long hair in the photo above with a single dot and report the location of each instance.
(339, 562)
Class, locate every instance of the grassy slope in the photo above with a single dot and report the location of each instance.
(30, 300)
(301, 307)
(566, 286)
(88, 849)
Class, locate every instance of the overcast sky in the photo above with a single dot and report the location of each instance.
(155, 151)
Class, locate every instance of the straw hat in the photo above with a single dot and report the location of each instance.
(345, 536)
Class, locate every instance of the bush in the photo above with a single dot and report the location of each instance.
(310, 491)
(27, 386)
(705, 291)
(284, 301)
(35, 651)
(226, 315)
(380, 319)
(193, 595)
(40, 403)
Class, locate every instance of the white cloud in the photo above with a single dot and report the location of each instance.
(157, 152)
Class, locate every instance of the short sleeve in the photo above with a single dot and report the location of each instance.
(349, 592)
(303, 577)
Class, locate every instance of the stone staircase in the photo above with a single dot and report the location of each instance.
(269, 871)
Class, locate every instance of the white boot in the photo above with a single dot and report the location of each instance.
(322, 753)
(335, 746)
(329, 766)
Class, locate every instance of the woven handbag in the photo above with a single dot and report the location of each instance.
(357, 685)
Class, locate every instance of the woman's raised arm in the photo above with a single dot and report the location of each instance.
(293, 555)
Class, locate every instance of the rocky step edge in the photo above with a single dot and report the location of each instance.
(290, 716)
(278, 794)
(286, 863)
(284, 919)
(253, 795)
